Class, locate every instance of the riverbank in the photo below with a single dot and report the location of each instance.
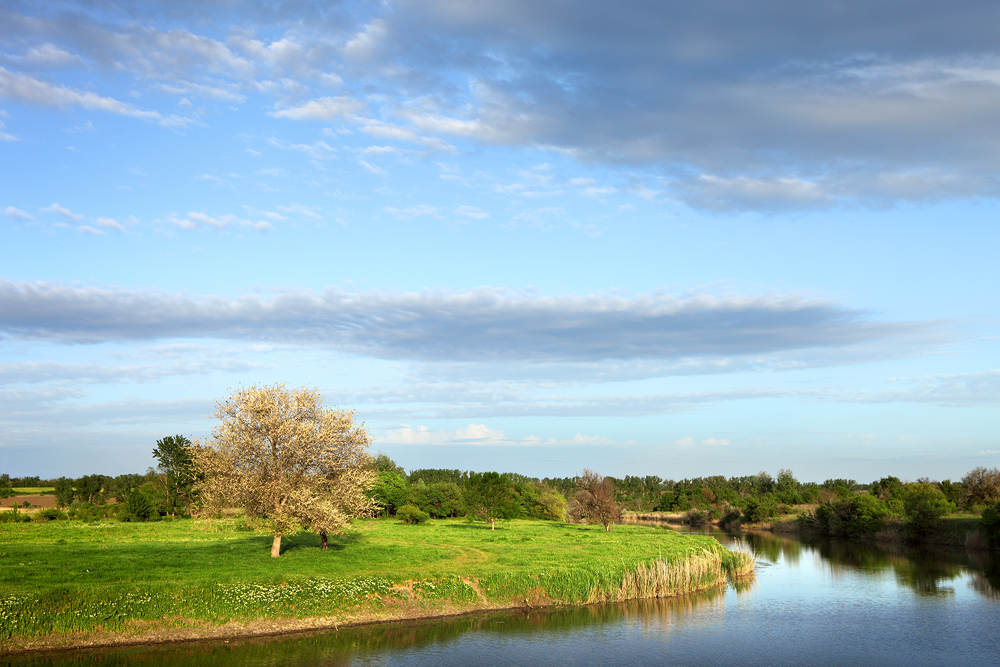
(952, 531)
(68, 584)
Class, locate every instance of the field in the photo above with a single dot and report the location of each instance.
(69, 582)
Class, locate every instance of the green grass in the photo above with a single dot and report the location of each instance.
(68, 576)
(32, 490)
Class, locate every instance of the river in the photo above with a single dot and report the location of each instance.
(811, 603)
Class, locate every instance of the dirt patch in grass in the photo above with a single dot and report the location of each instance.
(43, 501)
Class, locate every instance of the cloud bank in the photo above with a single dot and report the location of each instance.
(486, 324)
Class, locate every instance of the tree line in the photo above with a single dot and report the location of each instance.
(291, 464)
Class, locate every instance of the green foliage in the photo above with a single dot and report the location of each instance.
(6, 489)
(64, 492)
(13, 516)
(88, 512)
(989, 524)
(982, 485)
(138, 506)
(491, 496)
(51, 514)
(760, 508)
(924, 505)
(411, 514)
(175, 461)
(440, 499)
(438, 475)
(884, 487)
(390, 491)
(383, 463)
(856, 516)
(90, 489)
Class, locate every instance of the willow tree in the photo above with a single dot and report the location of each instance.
(289, 462)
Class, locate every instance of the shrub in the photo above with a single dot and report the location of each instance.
(51, 515)
(730, 515)
(852, 517)
(923, 506)
(696, 517)
(14, 517)
(138, 507)
(411, 514)
(990, 524)
(760, 508)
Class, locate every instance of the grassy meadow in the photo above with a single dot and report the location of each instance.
(62, 577)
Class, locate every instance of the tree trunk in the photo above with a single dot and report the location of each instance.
(276, 546)
(493, 523)
(322, 538)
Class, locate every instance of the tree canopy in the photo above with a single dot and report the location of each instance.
(287, 460)
(174, 456)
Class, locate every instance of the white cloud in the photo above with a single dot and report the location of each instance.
(372, 168)
(471, 212)
(110, 223)
(87, 229)
(65, 212)
(689, 442)
(17, 213)
(324, 109)
(193, 219)
(50, 55)
(411, 212)
(24, 88)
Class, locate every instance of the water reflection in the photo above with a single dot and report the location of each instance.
(925, 570)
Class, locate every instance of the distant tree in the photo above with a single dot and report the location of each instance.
(883, 487)
(64, 492)
(491, 496)
(982, 485)
(90, 489)
(383, 463)
(439, 500)
(596, 500)
(175, 462)
(390, 491)
(287, 460)
(6, 488)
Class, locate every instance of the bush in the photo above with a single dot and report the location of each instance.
(730, 515)
(13, 517)
(411, 514)
(982, 485)
(696, 517)
(138, 507)
(923, 506)
(51, 515)
(760, 508)
(990, 524)
(857, 516)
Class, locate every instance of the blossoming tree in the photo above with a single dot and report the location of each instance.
(287, 460)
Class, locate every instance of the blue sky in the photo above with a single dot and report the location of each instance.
(639, 237)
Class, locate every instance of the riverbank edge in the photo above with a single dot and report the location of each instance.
(893, 532)
(152, 634)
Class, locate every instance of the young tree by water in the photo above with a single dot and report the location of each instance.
(287, 460)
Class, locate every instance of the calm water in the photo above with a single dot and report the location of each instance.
(822, 603)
